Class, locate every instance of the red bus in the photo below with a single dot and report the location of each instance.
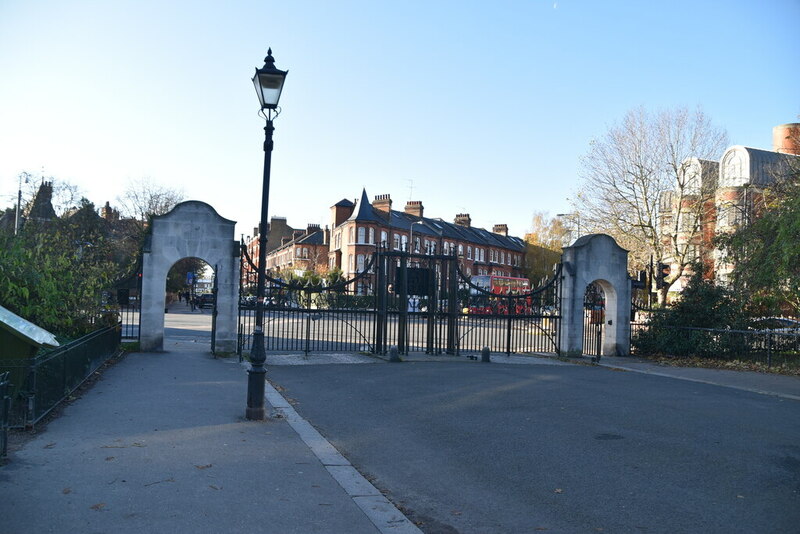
(483, 304)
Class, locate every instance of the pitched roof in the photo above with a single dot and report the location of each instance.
(364, 211)
(401, 220)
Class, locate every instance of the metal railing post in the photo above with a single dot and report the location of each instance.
(402, 326)
(452, 300)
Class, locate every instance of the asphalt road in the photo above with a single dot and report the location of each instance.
(492, 448)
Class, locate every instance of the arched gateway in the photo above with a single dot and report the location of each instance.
(193, 229)
(597, 259)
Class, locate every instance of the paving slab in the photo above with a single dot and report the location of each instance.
(159, 444)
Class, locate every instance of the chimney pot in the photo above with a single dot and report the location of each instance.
(463, 219)
(415, 208)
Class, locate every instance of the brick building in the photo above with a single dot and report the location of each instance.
(731, 194)
(358, 228)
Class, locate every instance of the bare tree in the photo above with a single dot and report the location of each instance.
(143, 198)
(643, 164)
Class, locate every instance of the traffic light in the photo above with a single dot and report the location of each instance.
(661, 274)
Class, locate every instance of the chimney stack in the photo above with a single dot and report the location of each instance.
(383, 203)
(501, 229)
(312, 229)
(463, 219)
(415, 208)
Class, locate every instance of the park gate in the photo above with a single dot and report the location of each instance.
(416, 302)
(594, 318)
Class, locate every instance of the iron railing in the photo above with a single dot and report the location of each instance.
(5, 406)
(129, 322)
(769, 347)
(416, 302)
(53, 376)
(636, 327)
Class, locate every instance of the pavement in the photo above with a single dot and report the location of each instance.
(159, 443)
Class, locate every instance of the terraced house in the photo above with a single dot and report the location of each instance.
(358, 228)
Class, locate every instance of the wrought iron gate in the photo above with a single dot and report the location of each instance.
(594, 310)
(214, 291)
(416, 302)
(511, 320)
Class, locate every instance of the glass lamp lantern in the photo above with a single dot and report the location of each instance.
(268, 82)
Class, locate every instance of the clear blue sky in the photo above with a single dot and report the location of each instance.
(478, 107)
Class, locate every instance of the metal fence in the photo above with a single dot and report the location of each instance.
(769, 347)
(5, 405)
(636, 327)
(53, 376)
(288, 329)
(129, 322)
(416, 302)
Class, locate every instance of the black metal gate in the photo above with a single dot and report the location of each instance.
(128, 302)
(214, 291)
(310, 313)
(594, 313)
(416, 302)
(510, 320)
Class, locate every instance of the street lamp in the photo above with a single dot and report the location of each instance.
(268, 82)
(18, 218)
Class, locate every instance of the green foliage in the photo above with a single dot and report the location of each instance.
(703, 305)
(766, 253)
(176, 277)
(53, 279)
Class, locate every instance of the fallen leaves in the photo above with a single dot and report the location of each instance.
(98, 507)
(203, 466)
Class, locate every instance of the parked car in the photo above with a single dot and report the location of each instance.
(206, 300)
(778, 324)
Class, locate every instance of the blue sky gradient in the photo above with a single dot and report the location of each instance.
(476, 107)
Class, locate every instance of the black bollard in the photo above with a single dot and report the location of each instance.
(485, 355)
(394, 355)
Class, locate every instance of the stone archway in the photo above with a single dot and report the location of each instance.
(596, 258)
(192, 229)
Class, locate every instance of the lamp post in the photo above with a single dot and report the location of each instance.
(268, 82)
(18, 219)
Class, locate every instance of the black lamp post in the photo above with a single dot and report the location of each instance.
(268, 82)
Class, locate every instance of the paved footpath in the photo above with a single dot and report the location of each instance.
(159, 444)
